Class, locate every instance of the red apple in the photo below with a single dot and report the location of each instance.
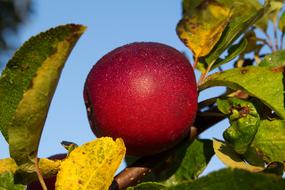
(143, 92)
(50, 182)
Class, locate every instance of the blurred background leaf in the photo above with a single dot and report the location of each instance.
(13, 13)
(7, 182)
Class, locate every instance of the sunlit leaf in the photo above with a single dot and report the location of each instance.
(269, 142)
(275, 7)
(271, 15)
(27, 85)
(235, 180)
(244, 16)
(202, 26)
(7, 165)
(281, 23)
(244, 122)
(7, 182)
(224, 179)
(47, 167)
(263, 83)
(275, 59)
(25, 173)
(91, 165)
(230, 158)
(188, 6)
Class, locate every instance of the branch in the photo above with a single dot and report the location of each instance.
(132, 175)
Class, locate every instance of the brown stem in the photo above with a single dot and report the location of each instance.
(133, 174)
(265, 42)
(269, 41)
(204, 75)
(196, 62)
(39, 174)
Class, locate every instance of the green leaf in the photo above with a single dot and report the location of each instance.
(271, 15)
(269, 141)
(185, 162)
(275, 7)
(148, 186)
(233, 52)
(188, 6)
(244, 120)
(230, 158)
(275, 59)
(261, 82)
(27, 85)
(281, 23)
(244, 15)
(69, 146)
(7, 182)
(234, 180)
(202, 25)
(225, 179)
(195, 160)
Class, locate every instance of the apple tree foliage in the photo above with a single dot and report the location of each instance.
(220, 32)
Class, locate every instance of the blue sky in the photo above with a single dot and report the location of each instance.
(110, 23)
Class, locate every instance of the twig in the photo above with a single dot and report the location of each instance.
(265, 42)
(269, 41)
(133, 174)
(282, 38)
(40, 177)
(196, 62)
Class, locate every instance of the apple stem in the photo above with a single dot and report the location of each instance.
(39, 174)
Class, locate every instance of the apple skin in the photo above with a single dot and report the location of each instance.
(50, 182)
(143, 92)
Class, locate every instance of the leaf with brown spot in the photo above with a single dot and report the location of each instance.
(201, 28)
(244, 15)
(91, 165)
(263, 83)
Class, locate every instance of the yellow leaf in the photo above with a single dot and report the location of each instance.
(231, 159)
(91, 166)
(7, 165)
(202, 29)
(49, 167)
